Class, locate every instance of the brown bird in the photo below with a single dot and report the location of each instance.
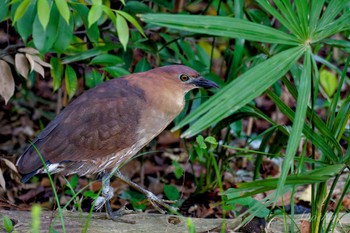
(107, 125)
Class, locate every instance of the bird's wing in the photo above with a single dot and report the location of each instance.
(101, 122)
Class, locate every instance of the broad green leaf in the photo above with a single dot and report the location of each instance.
(109, 12)
(116, 71)
(95, 14)
(329, 82)
(231, 97)
(71, 81)
(64, 35)
(63, 8)
(171, 192)
(8, 225)
(106, 60)
(92, 30)
(24, 25)
(88, 54)
(221, 26)
(21, 10)
(4, 9)
(133, 21)
(93, 78)
(122, 30)
(56, 72)
(44, 38)
(43, 12)
(201, 143)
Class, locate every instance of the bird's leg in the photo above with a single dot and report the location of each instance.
(155, 201)
(106, 194)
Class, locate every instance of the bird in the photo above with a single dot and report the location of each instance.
(105, 127)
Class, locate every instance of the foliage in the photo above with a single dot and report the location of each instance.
(303, 29)
(250, 48)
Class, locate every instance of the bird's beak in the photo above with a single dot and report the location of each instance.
(205, 83)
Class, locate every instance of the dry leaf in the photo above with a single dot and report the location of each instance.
(2, 180)
(22, 64)
(9, 59)
(29, 50)
(30, 60)
(10, 164)
(7, 83)
(39, 69)
(41, 62)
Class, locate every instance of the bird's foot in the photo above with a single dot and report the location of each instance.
(116, 215)
(157, 202)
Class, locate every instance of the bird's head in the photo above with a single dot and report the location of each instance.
(185, 78)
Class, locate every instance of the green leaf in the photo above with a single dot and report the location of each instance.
(56, 72)
(44, 38)
(4, 10)
(74, 181)
(90, 194)
(93, 78)
(116, 71)
(133, 21)
(122, 30)
(179, 171)
(92, 30)
(329, 82)
(221, 26)
(64, 35)
(21, 10)
(8, 225)
(44, 13)
(298, 124)
(171, 192)
(201, 143)
(88, 54)
(107, 60)
(211, 140)
(63, 8)
(231, 97)
(95, 14)
(36, 212)
(71, 81)
(24, 25)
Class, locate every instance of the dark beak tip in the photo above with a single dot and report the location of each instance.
(207, 84)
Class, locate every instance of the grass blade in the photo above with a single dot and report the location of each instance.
(221, 26)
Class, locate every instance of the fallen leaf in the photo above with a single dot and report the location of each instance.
(22, 65)
(7, 83)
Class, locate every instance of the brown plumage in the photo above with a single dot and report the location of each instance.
(107, 125)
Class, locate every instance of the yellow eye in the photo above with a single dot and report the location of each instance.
(184, 77)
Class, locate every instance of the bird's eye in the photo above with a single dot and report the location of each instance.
(184, 77)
